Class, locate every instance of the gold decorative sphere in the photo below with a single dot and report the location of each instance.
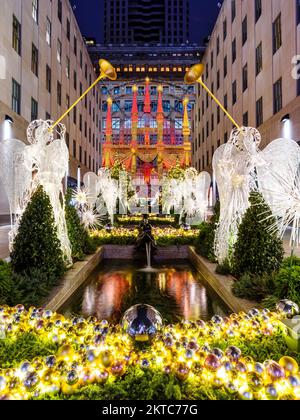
(194, 74)
(107, 69)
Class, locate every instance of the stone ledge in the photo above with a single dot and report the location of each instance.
(220, 284)
(73, 279)
(128, 252)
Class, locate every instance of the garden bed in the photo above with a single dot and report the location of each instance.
(46, 356)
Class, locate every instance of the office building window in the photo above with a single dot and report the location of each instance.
(218, 45)
(74, 149)
(75, 80)
(16, 97)
(68, 101)
(59, 10)
(59, 50)
(277, 36)
(245, 119)
(34, 60)
(225, 66)
(245, 77)
(80, 122)
(212, 59)
(218, 79)
(226, 101)
(258, 10)
(233, 10)
(34, 110)
(68, 140)
(48, 78)
(59, 93)
(16, 35)
(277, 96)
(218, 115)
(224, 29)
(259, 112)
(81, 59)
(35, 10)
(245, 30)
(68, 67)
(68, 29)
(234, 93)
(212, 123)
(75, 46)
(48, 31)
(233, 51)
(75, 115)
(225, 137)
(258, 59)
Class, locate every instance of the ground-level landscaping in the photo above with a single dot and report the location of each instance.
(44, 355)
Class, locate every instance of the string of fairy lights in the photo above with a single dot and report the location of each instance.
(94, 352)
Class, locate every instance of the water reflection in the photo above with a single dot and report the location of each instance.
(176, 293)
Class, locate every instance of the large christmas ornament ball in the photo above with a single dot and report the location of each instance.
(288, 308)
(142, 322)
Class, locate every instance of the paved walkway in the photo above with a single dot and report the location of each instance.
(4, 252)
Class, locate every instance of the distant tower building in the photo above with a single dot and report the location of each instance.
(146, 21)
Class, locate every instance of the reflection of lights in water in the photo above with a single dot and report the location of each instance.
(88, 306)
(162, 282)
(189, 295)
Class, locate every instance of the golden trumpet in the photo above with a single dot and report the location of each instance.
(194, 75)
(107, 71)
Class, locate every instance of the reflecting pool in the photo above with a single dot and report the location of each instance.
(177, 292)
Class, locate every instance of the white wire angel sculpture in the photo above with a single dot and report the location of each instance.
(234, 168)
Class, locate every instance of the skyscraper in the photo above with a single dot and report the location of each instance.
(146, 21)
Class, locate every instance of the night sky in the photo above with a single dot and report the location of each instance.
(89, 14)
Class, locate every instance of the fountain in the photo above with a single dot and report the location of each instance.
(146, 241)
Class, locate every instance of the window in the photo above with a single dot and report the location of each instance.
(245, 77)
(68, 29)
(75, 46)
(277, 37)
(233, 51)
(59, 93)
(68, 67)
(81, 59)
(277, 96)
(59, 51)
(212, 123)
(224, 29)
(211, 59)
(258, 10)
(48, 31)
(218, 115)
(34, 60)
(59, 10)
(259, 112)
(35, 10)
(226, 101)
(233, 10)
(218, 45)
(245, 30)
(245, 119)
(16, 97)
(225, 137)
(234, 93)
(48, 78)
(34, 110)
(218, 79)
(225, 66)
(259, 59)
(74, 149)
(75, 79)
(16, 36)
(75, 115)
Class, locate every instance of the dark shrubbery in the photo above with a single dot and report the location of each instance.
(206, 238)
(258, 250)
(81, 242)
(36, 245)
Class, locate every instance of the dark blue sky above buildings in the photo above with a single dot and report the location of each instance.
(89, 14)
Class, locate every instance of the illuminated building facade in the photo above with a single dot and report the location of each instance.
(144, 135)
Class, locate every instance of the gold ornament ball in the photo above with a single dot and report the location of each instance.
(289, 365)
